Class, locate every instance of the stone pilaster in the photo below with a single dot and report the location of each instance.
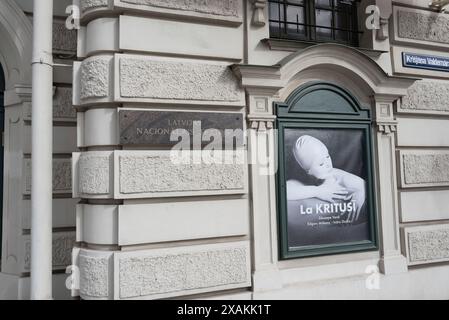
(392, 261)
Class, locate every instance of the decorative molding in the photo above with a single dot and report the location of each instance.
(427, 244)
(181, 271)
(383, 32)
(387, 127)
(440, 5)
(213, 7)
(93, 4)
(259, 12)
(62, 246)
(270, 79)
(261, 122)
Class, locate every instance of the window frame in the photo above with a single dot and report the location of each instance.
(310, 27)
(294, 114)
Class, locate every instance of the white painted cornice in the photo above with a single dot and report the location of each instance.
(328, 58)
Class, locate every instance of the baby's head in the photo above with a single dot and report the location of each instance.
(313, 156)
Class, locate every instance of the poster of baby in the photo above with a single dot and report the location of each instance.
(326, 186)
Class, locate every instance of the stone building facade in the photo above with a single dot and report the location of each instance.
(138, 226)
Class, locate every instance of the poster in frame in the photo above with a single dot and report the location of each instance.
(325, 182)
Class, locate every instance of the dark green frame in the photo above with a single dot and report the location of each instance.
(294, 114)
(2, 128)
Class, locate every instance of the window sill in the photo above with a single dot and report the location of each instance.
(295, 45)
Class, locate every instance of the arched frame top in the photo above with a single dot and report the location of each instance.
(324, 100)
(326, 60)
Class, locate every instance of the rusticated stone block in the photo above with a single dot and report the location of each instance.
(62, 175)
(155, 172)
(94, 79)
(94, 274)
(423, 26)
(94, 173)
(427, 244)
(62, 246)
(62, 104)
(150, 78)
(427, 96)
(425, 168)
(175, 272)
(92, 4)
(215, 7)
(64, 39)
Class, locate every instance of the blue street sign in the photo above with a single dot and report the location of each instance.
(419, 61)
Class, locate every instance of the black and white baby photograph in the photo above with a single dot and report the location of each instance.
(326, 186)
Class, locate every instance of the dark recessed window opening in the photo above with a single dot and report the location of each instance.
(314, 20)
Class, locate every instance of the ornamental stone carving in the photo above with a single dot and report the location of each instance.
(92, 4)
(215, 7)
(259, 12)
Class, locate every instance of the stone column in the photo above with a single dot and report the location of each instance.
(392, 261)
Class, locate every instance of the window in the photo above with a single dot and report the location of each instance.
(314, 20)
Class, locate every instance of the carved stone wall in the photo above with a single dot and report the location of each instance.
(92, 4)
(425, 168)
(427, 96)
(165, 79)
(178, 271)
(64, 40)
(94, 174)
(216, 7)
(94, 79)
(62, 246)
(155, 172)
(94, 274)
(423, 26)
(427, 244)
(62, 176)
(62, 106)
